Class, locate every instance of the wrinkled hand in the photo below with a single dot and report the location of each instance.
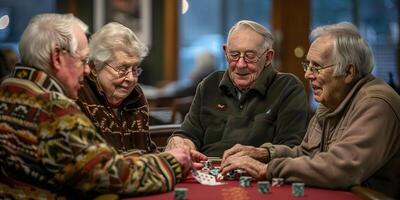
(196, 158)
(180, 142)
(184, 158)
(188, 159)
(238, 150)
(253, 167)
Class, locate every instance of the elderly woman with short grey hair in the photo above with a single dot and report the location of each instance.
(111, 97)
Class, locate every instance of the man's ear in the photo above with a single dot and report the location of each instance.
(270, 54)
(55, 59)
(224, 48)
(351, 73)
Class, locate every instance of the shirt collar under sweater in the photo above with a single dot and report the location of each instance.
(261, 84)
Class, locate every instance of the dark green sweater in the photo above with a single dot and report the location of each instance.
(273, 110)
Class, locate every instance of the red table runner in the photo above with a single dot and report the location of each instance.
(233, 191)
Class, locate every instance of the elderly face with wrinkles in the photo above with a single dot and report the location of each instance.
(119, 77)
(246, 45)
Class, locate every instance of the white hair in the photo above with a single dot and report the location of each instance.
(111, 37)
(45, 32)
(348, 48)
(258, 28)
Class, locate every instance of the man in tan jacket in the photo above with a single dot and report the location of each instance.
(354, 136)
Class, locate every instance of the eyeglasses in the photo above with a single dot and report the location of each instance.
(314, 69)
(248, 56)
(124, 71)
(85, 61)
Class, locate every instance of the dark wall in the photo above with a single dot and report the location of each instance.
(153, 64)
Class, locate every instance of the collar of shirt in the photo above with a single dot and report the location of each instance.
(260, 86)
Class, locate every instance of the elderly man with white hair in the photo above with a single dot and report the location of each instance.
(249, 103)
(354, 136)
(47, 142)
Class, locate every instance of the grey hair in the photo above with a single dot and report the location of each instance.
(45, 32)
(258, 28)
(348, 48)
(111, 37)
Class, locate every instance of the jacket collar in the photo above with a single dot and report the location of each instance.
(38, 76)
(261, 84)
(324, 111)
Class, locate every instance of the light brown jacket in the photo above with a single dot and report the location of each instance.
(356, 144)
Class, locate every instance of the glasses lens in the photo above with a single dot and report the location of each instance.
(135, 72)
(304, 65)
(122, 73)
(250, 57)
(234, 56)
(85, 61)
(139, 71)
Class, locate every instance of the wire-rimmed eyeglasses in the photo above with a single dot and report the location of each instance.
(248, 56)
(314, 69)
(124, 71)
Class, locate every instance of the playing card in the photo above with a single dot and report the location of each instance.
(205, 179)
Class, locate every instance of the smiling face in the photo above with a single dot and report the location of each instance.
(247, 41)
(115, 87)
(327, 89)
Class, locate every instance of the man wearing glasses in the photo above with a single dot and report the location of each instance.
(249, 104)
(112, 98)
(354, 136)
(47, 142)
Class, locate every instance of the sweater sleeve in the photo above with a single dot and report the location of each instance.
(79, 158)
(365, 145)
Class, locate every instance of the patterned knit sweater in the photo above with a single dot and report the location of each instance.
(45, 140)
(126, 127)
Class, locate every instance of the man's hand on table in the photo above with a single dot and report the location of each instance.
(238, 150)
(179, 146)
(253, 167)
(184, 158)
(180, 142)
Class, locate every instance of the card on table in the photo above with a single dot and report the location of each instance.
(205, 179)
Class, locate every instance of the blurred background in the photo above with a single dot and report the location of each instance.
(180, 31)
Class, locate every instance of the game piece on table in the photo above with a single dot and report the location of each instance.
(263, 187)
(180, 193)
(298, 189)
(277, 182)
(214, 171)
(232, 175)
(245, 181)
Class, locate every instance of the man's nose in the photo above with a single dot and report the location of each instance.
(241, 62)
(309, 74)
(86, 69)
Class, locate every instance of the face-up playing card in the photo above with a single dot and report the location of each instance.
(205, 179)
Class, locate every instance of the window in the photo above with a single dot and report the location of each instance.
(205, 26)
(20, 12)
(377, 22)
